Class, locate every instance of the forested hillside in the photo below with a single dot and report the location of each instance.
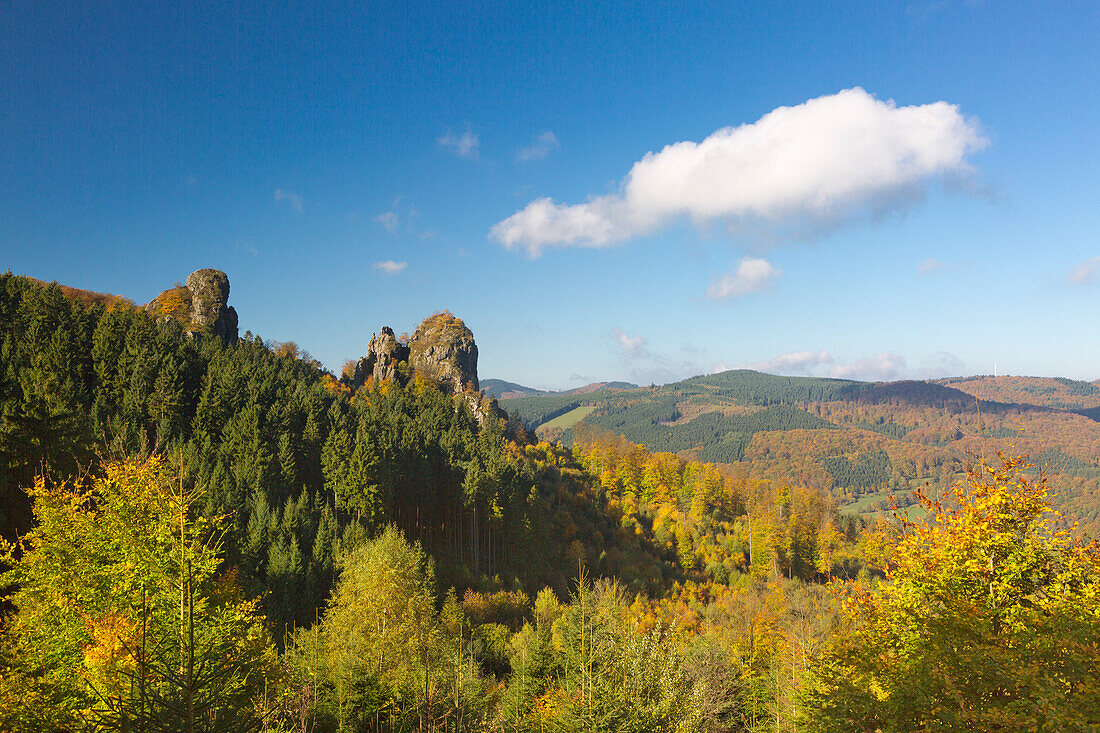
(107, 407)
(1058, 392)
(868, 445)
(216, 534)
(285, 451)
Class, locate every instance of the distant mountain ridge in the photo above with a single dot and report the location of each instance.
(1057, 392)
(505, 390)
(865, 443)
(861, 441)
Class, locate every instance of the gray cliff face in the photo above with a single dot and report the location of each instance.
(384, 353)
(200, 305)
(442, 348)
(210, 303)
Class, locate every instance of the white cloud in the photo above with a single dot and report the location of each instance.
(633, 347)
(464, 146)
(806, 168)
(1085, 272)
(793, 363)
(929, 265)
(882, 367)
(389, 221)
(539, 148)
(752, 275)
(647, 366)
(294, 200)
(389, 267)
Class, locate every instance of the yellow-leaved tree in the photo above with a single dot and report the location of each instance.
(988, 619)
(122, 620)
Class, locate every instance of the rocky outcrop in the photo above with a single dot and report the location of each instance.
(210, 303)
(384, 353)
(200, 305)
(442, 349)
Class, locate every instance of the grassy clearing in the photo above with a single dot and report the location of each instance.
(570, 418)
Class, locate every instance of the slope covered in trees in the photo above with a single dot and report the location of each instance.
(219, 535)
(1057, 392)
(286, 452)
(869, 445)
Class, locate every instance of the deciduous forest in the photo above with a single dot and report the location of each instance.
(209, 534)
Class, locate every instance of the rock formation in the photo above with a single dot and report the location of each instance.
(442, 348)
(384, 353)
(200, 305)
(210, 303)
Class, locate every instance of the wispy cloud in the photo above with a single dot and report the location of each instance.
(388, 221)
(793, 363)
(295, 201)
(647, 366)
(402, 218)
(751, 276)
(884, 367)
(795, 171)
(389, 267)
(539, 148)
(632, 347)
(928, 266)
(465, 145)
(879, 368)
(1084, 273)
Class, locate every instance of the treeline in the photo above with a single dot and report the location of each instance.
(298, 463)
(536, 410)
(227, 538)
(396, 648)
(1058, 392)
(757, 388)
(741, 385)
(721, 438)
(721, 527)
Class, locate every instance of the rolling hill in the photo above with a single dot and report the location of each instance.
(862, 442)
(505, 390)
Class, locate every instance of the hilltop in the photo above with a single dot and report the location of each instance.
(861, 442)
(1056, 392)
(87, 297)
(505, 390)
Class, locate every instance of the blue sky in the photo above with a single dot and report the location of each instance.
(926, 204)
